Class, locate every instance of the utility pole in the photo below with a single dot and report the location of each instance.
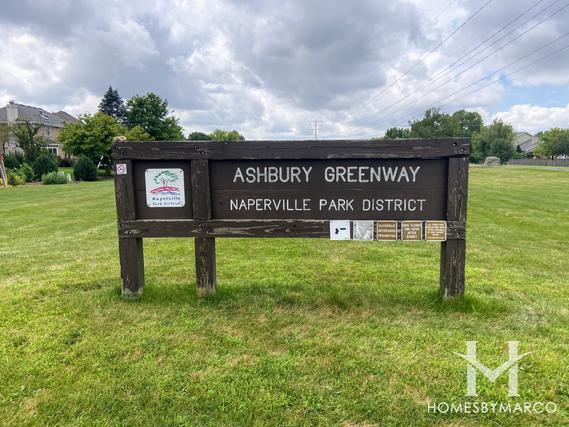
(316, 128)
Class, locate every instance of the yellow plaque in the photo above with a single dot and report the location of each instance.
(412, 230)
(386, 230)
(436, 231)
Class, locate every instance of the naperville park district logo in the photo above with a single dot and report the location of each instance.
(165, 188)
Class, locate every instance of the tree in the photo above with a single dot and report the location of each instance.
(496, 140)
(554, 142)
(151, 113)
(397, 133)
(467, 123)
(5, 132)
(113, 105)
(226, 135)
(28, 140)
(165, 178)
(92, 136)
(198, 136)
(434, 125)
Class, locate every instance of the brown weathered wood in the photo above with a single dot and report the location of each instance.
(270, 150)
(456, 230)
(124, 193)
(205, 265)
(131, 252)
(204, 246)
(453, 252)
(132, 266)
(201, 197)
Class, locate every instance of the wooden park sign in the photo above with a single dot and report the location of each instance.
(365, 190)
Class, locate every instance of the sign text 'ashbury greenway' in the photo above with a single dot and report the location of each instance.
(387, 190)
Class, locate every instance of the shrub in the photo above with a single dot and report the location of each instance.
(14, 178)
(13, 160)
(85, 170)
(55, 178)
(26, 172)
(66, 162)
(44, 163)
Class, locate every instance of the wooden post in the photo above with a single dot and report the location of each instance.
(453, 252)
(131, 252)
(204, 246)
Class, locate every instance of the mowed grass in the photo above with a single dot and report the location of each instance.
(300, 332)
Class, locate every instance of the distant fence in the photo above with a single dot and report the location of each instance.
(540, 162)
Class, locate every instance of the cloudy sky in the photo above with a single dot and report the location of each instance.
(267, 68)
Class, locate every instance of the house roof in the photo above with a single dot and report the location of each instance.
(526, 141)
(38, 115)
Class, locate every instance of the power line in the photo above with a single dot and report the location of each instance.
(495, 81)
(371, 116)
(444, 9)
(451, 66)
(424, 57)
(316, 127)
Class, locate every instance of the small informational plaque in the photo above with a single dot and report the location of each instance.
(363, 230)
(121, 169)
(386, 230)
(412, 230)
(436, 231)
(165, 188)
(340, 230)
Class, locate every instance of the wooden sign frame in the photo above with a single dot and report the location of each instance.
(198, 155)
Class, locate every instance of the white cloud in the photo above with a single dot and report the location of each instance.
(533, 118)
(268, 67)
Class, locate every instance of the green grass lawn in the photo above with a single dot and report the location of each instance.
(300, 332)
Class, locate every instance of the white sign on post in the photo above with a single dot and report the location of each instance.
(340, 230)
(165, 188)
(363, 230)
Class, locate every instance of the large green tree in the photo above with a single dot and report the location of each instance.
(198, 136)
(28, 140)
(226, 135)
(434, 124)
(150, 112)
(397, 133)
(467, 123)
(554, 142)
(112, 104)
(92, 136)
(496, 140)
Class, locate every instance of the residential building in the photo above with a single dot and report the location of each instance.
(52, 123)
(526, 141)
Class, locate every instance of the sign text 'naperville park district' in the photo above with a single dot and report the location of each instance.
(363, 190)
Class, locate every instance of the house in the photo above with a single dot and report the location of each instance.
(526, 142)
(52, 123)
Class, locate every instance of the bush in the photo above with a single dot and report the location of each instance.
(14, 178)
(55, 178)
(66, 162)
(44, 163)
(13, 160)
(26, 172)
(85, 170)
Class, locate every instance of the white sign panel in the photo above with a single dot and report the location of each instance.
(165, 188)
(121, 169)
(340, 230)
(363, 230)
